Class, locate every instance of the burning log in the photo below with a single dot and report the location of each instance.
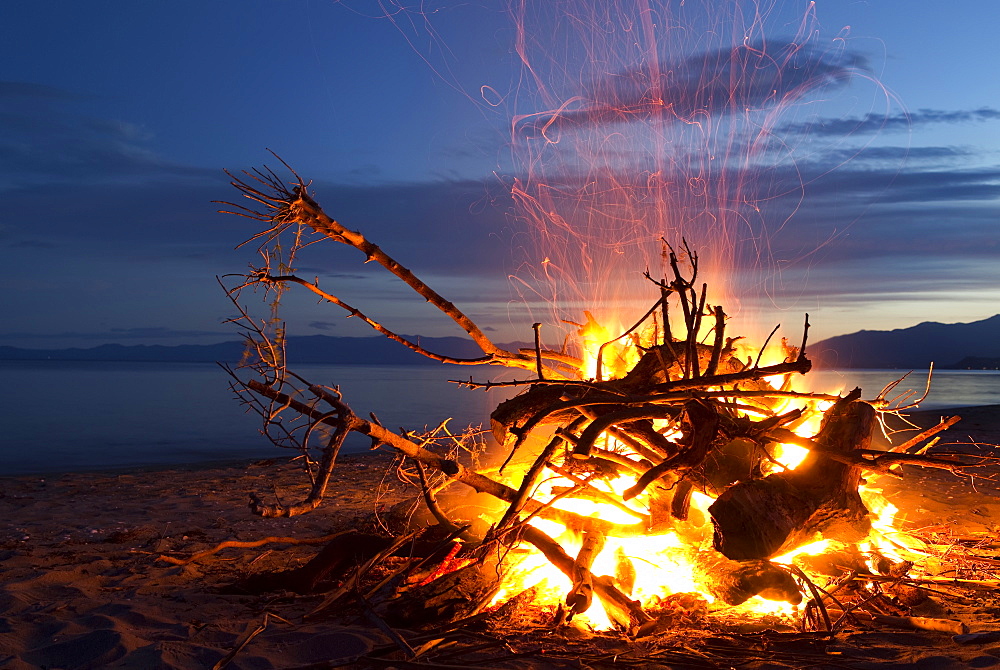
(581, 595)
(761, 518)
(626, 612)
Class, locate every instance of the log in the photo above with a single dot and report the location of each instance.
(699, 427)
(762, 518)
(342, 553)
(581, 595)
(735, 582)
(626, 612)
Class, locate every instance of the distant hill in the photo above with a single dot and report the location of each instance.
(955, 345)
(948, 345)
(306, 349)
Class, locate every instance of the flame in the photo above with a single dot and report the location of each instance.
(646, 568)
(661, 563)
(886, 539)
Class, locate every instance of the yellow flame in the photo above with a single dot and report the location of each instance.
(885, 538)
(650, 567)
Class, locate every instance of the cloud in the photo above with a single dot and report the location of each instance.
(449, 228)
(322, 325)
(896, 155)
(876, 123)
(32, 244)
(893, 185)
(118, 334)
(44, 140)
(717, 82)
(892, 278)
(311, 271)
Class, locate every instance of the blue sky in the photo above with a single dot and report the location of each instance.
(117, 119)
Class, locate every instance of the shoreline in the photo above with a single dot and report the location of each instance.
(980, 423)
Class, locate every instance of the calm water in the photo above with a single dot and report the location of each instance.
(69, 416)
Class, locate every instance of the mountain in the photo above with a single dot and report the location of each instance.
(947, 345)
(306, 349)
(952, 345)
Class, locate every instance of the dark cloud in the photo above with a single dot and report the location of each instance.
(892, 185)
(451, 228)
(32, 244)
(458, 234)
(45, 140)
(897, 156)
(827, 211)
(155, 218)
(311, 271)
(117, 334)
(876, 123)
(717, 82)
(368, 171)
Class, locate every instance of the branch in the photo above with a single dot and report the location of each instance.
(329, 297)
(627, 612)
(930, 432)
(801, 365)
(252, 544)
(284, 206)
(872, 459)
(307, 211)
(453, 469)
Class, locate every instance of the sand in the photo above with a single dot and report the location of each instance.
(81, 585)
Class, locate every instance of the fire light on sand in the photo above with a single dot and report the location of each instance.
(654, 472)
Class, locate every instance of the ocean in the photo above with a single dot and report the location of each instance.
(74, 416)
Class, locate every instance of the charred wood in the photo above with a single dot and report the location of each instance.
(761, 518)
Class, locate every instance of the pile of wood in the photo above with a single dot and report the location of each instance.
(689, 415)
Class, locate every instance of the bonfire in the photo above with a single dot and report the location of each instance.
(640, 483)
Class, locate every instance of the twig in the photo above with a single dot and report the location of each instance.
(945, 424)
(238, 544)
(805, 338)
(248, 635)
(361, 570)
(539, 369)
(329, 297)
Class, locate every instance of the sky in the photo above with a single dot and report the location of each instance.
(849, 168)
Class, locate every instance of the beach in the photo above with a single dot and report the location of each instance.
(82, 584)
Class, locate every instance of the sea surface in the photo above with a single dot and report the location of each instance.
(73, 416)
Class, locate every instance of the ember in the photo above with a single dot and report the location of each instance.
(663, 475)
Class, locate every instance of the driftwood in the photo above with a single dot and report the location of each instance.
(688, 416)
(761, 518)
